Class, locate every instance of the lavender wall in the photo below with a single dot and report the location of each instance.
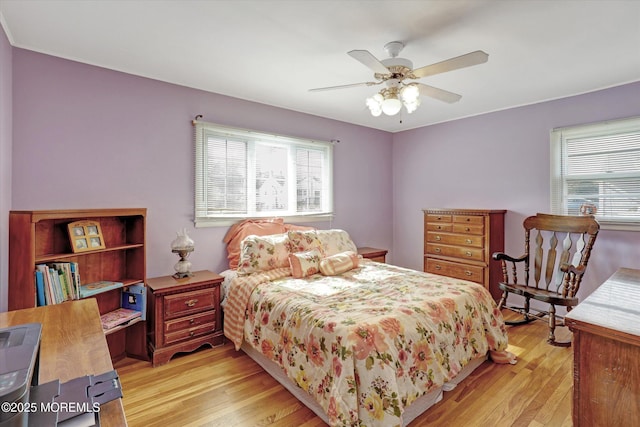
(87, 137)
(501, 161)
(5, 158)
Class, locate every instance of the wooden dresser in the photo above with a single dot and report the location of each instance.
(606, 353)
(459, 243)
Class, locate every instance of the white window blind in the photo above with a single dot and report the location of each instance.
(596, 167)
(246, 174)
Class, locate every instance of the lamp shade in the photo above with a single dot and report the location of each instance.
(391, 106)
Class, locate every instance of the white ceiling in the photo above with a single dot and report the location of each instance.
(273, 51)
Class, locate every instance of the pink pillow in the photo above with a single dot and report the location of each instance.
(305, 264)
(339, 263)
(238, 232)
(293, 227)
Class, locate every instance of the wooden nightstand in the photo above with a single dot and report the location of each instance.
(184, 314)
(373, 254)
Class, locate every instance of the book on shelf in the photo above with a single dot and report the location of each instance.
(100, 286)
(118, 317)
(134, 297)
(57, 282)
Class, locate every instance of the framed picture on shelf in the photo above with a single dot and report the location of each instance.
(85, 236)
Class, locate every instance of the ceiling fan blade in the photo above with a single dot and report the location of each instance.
(320, 89)
(467, 60)
(440, 94)
(365, 57)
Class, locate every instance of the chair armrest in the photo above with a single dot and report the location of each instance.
(499, 256)
(569, 268)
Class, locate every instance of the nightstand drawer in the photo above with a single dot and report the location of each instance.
(189, 333)
(175, 325)
(189, 302)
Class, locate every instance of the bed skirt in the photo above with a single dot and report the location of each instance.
(411, 412)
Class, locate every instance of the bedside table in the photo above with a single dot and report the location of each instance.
(373, 254)
(184, 314)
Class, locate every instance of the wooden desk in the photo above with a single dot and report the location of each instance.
(72, 345)
(606, 353)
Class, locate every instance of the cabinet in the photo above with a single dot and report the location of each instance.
(373, 254)
(459, 243)
(42, 236)
(184, 314)
(606, 350)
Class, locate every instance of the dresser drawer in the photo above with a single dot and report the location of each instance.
(189, 302)
(439, 226)
(451, 269)
(456, 239)
(438, 218)
(467, 253)
(468, 219)
(190, 321)
(189, 333)
(468, 228)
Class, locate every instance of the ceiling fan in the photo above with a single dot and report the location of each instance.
(399, 76)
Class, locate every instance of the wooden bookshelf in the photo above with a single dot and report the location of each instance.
(42, 237)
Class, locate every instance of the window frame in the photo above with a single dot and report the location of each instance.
(559, 137)
(251, 138)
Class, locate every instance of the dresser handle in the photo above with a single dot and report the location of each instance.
(191, 302)
(468, 253)
(437, 250)
(438, 267)
(468, 273)
(191, 333)
(467, 229)
(439, 218)
(469, 241)
(468, 219)
(438, 238)
(192, 321)
(439, 227)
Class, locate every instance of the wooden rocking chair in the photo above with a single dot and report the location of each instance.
(558, 267)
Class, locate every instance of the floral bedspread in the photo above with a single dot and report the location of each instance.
(367, 343)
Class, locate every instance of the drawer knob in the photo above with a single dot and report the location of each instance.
(468, 253)
(438, 267)
(468, 219)
(468, 273)
(191, 302)
(437, 250)
(191, 333)
(192, 321)
(469, 241)
(439, 218)
(467, 229)
(439, 227)
(438, 238)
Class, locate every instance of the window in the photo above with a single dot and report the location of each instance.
(246, 174)
(595, 168)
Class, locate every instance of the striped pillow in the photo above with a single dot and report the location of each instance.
(339, 263)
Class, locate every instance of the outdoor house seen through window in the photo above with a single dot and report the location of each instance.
(595, 169)
(246, 174)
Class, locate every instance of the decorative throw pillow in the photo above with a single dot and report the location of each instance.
(302, 241)
(239, 231)
(305, 264)
(335, 241)
(339, 263)
(262, 253)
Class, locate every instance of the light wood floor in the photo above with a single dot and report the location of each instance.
(222, 387)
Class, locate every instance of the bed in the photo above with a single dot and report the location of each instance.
(368, 344)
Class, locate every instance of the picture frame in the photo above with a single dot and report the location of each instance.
(85, 236)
